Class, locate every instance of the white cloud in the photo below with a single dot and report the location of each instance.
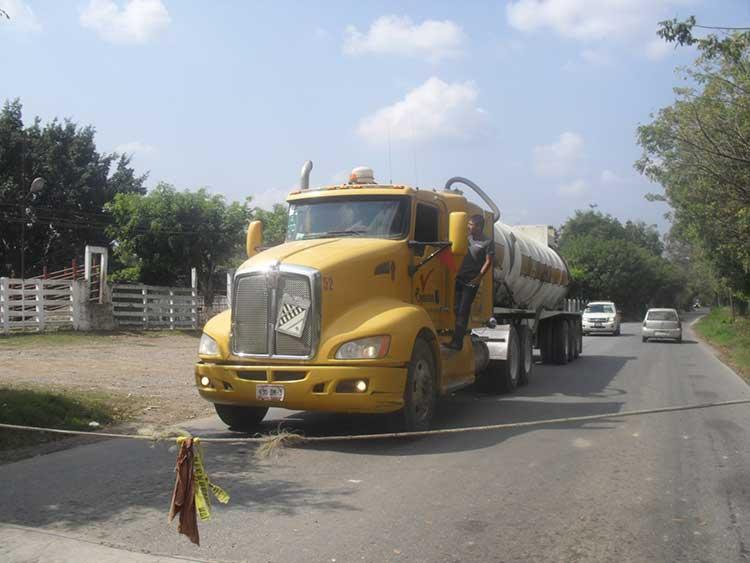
(134, 147)
(138, 21)
(573, 189)
(561, 158)
(658, 49)
(609, 177)
(395, 35)
(21, 16)
(434, 110)
(268, 198)
(340, 177)
(630, 21)
(596, 57)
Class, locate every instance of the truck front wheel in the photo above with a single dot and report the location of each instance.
(420, 395)
(240, 418)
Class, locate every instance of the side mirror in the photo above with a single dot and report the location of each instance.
(458, 225)
(254, 238)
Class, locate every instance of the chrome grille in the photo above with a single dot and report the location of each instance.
(250, 315)
(299, 287)
(258, 299)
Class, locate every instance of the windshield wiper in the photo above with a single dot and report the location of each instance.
(332, 234)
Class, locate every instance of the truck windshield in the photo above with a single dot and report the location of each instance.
(373, 217)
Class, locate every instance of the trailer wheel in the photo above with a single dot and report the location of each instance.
(501, 376)
(527, 355)
(240, 418)
(560, 341)
(579, 338)
(545, 341)
(420, 394)
(572, 340)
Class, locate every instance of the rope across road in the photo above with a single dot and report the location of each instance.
(285, 438)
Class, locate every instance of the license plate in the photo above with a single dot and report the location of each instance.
(598, 325)
(657, 333)
(269, 392)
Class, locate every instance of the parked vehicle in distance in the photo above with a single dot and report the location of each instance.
(601, 316)
(662, 323)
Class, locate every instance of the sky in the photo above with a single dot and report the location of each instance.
(537, 101)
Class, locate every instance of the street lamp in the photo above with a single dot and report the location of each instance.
(36, 186)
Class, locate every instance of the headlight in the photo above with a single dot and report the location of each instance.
(208, 346)
(368, 348)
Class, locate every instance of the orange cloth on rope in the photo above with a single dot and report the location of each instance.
(183, 496)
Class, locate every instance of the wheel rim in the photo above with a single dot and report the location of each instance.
(422, 390)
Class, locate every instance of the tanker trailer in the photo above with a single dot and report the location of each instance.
(529, 286)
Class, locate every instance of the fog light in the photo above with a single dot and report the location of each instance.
(352, 386)
(205, 381)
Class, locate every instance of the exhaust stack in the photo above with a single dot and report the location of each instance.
(304, 181)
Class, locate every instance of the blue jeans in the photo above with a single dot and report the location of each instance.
(464, 297)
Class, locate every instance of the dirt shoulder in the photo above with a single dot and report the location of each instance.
(148, 376)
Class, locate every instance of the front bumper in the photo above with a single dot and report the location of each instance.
(313, 387)
(661, 333)
(604, 327)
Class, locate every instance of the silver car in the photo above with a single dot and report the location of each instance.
(662, 323)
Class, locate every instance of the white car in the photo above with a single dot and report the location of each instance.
(601, 316)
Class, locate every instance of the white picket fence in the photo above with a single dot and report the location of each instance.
(36, 304)
(151, 306)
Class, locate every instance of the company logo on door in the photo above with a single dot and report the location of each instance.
(419, 293)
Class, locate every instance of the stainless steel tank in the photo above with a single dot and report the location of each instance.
(528, 273)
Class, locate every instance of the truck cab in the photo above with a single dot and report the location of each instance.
(351, 312)
(352, 307)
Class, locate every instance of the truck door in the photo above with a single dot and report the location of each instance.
(429, 282)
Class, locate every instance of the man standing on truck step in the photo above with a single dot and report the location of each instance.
(477, 262)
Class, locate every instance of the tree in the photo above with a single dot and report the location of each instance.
(69, 212)
(698, 149)
(595, 224)
(162, 235)
(274, 223)
(624, 263)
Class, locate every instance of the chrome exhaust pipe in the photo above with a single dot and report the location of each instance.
(304, 182)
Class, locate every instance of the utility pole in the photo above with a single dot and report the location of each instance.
(36, 186)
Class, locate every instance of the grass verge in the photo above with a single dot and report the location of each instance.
(52, 409)
(731, 338)
(68, 338)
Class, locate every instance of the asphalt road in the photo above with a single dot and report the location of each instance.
(662, 487)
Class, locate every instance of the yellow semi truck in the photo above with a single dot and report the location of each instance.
(352, 312)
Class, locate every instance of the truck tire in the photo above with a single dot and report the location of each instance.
(572, 340)
(501, 376)
(579, 338)
(527, 354)
(560, 341)
(420, 394)
(240, 418)
(545, 341)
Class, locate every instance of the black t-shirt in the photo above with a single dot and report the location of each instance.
(479, 249)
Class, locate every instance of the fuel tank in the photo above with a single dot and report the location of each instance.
(528, 272)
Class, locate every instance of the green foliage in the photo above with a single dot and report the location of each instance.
(732, 338)
(68, 213)
(595, 224)
(698, 149)
(38, 407)
(622, 263)
(274, 223)
(160, 236)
